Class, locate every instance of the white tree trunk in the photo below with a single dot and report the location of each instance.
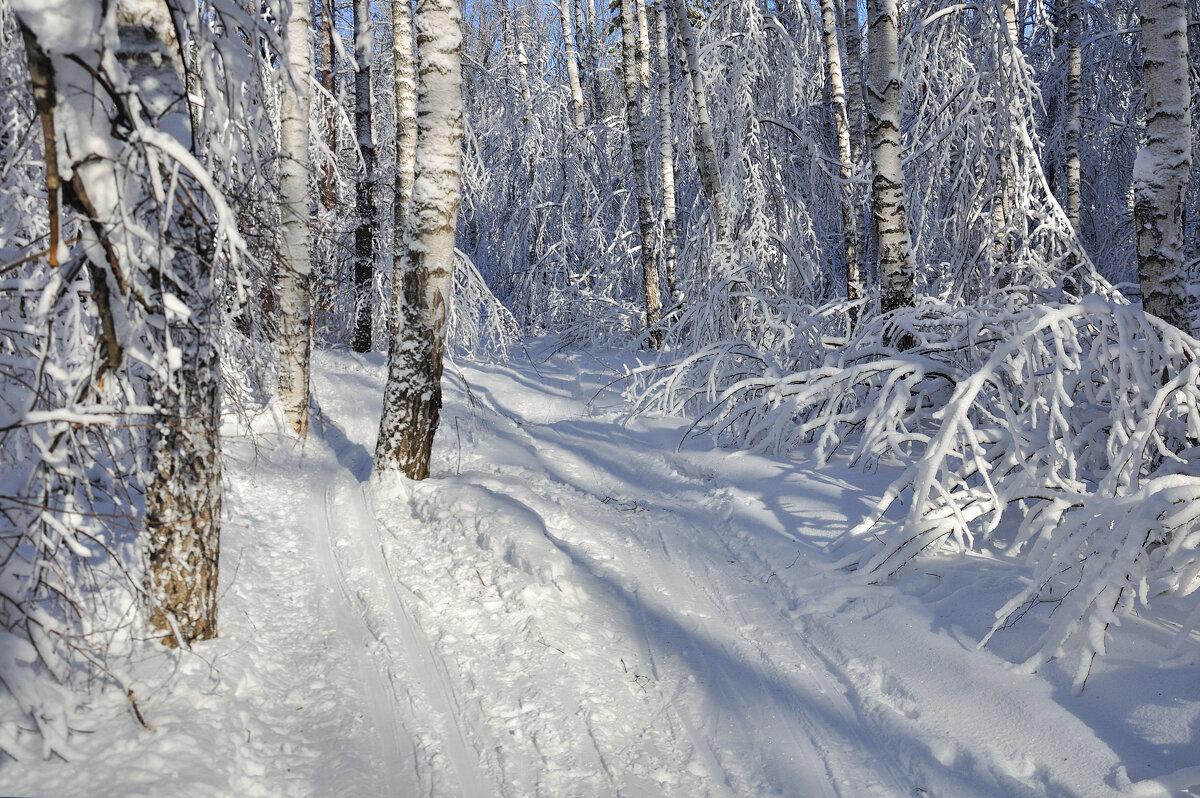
(841, 122)
(1074, 110)
(896, 265)
(405, 81)
(637, 145)
(568, 34)
(643, 42)
(854, 88)
(666, 149)
(295, 308)
(364, 234)
(413, 394)
(710, 172)
(1002, 200)
(1160, 173)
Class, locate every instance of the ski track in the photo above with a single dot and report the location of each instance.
(349, 615)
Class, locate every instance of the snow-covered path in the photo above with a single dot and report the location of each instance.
(572, 607)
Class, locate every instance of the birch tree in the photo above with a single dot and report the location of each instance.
(896, 265)
(710, 172)
(295, 308)
(841, 122)
(364, 196)
(568, 35)
(1164, 162)
(854, 88)
(405, 81)
(413, 393)
(666, 150)
(112, 129)
(637, 145)
(1074, 110)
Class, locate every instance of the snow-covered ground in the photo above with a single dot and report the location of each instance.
(573, 606)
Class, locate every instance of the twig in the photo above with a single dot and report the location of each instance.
(137, 712)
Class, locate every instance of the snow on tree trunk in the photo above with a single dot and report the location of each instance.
(295, 308)
(514, 44)
(837, 95)
(1074, 109)
(413, 393)
(637, 144)
(364, 234)
(1160, 172)
(564, 13)
(406, 145)
(710, 172)
(896, 264)
(94, 135)
(183, 497)
(666, 150)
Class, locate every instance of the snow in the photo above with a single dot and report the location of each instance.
(574, 605)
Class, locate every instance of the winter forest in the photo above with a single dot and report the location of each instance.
(599, 397)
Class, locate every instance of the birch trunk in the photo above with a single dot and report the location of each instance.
(854, 86)
(405, 79)
(1160, 173)
(328, 62)
(710, 172)
(588, 14)
(295, 309)
(1074, 110)
(841, 122)
(515, 51)
(666, 150)
(643, 42)
(564, 13)
(413, 393)
(637, 145)
(896, 266)
(1002, 199)
(183, 498)
(364, 234)
(86, 128)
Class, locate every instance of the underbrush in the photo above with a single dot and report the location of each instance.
(1080, 420)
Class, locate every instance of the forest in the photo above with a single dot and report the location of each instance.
(945, 253)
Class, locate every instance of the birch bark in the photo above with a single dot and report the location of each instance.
(643, 43)
(710, 172)
(1074, 110)
(854, 87)
(95, 138)
(295, 309)
(364, 234)
(637, 145)
(328, 72)
(413, 394)
(568, 34)
(896, 265)
(841, 122)
(405, 81)
(1160, 172)
(666, 150)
